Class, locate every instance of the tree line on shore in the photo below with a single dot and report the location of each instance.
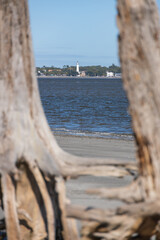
(71, 70)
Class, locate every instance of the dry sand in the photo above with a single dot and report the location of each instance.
(94, 147)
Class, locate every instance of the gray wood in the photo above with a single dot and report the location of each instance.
(27, 147)
(33, 166)
(139, 51)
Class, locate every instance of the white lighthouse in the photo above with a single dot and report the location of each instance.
(77, 68)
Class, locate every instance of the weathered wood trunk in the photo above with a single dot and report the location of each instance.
(139, 51)
(33, 207)
(32, 165)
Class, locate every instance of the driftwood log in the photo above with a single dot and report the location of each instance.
(139, 51)
(34, 168)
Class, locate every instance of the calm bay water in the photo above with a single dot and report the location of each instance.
(86, 107)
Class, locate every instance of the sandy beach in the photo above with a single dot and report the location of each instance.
(96, 147)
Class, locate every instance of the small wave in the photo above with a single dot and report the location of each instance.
(78, 133)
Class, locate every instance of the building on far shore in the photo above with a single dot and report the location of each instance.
(109, 74)
(83, 74)
(80, 74)
(77, 68)
(118, 75)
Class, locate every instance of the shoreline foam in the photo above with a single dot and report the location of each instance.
(105, 135)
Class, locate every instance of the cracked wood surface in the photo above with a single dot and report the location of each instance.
(29, 154)
(139, 51)
(33, 166)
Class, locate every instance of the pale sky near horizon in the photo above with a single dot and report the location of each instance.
(67, 31)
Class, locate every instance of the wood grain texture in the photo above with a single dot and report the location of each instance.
(34, 168)
(139, 50)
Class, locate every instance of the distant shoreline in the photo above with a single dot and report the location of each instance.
(87, 77)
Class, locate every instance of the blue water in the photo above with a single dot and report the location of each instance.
(86, 107)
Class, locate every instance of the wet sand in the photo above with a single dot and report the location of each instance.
(94, 147)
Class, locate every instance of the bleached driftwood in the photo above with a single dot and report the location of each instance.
(139, 50)
(32, 165)
(130, 194)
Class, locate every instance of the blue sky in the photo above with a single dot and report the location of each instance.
(64, 31)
